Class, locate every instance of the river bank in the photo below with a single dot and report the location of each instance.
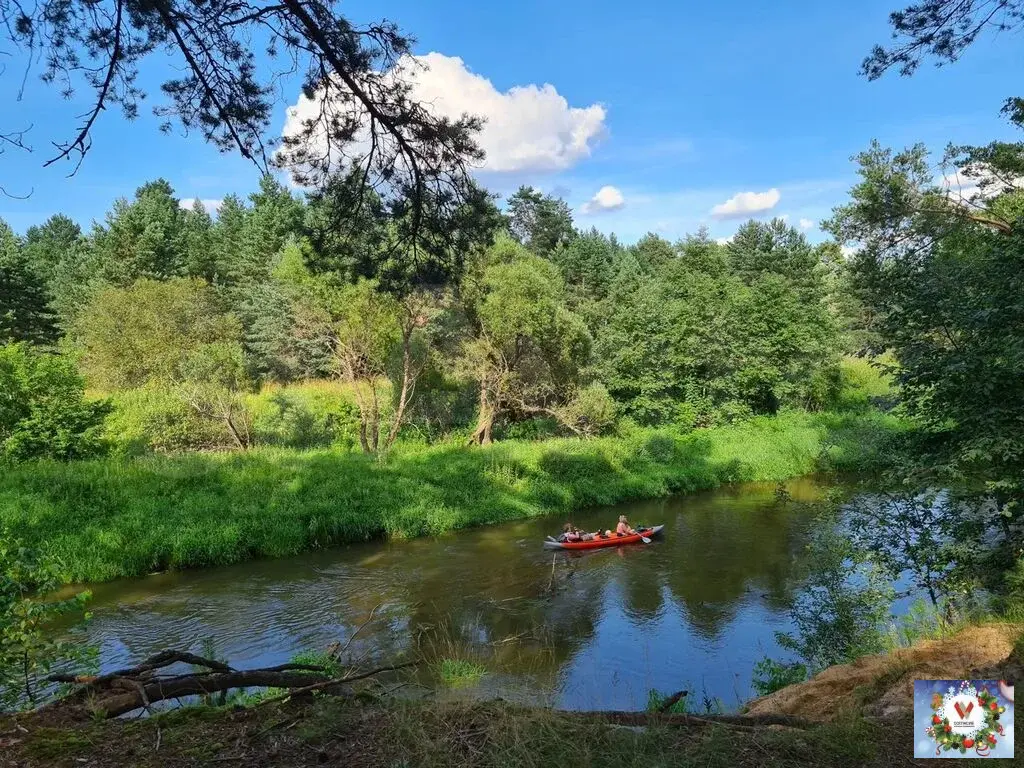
(109, 519)
(375, 732)
(858, 714)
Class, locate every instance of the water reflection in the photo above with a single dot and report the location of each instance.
(584, 630)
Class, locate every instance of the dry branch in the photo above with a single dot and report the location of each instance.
(138, 687)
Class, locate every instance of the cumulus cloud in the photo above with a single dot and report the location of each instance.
(608, 198)
(806, 224)
(526, 128)
(746, 204)
(211, 206)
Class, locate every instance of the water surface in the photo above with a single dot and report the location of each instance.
(695, 609)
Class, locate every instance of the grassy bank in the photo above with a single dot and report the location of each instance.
(382, 733)
(111, 518)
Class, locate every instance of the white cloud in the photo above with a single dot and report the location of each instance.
(608, 198)
(724, 240)
(211, 206)
(848, 250)
(746, 204)
(806, 224)
(526, 128)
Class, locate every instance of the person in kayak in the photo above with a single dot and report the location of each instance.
(624, 528)
(571, 533)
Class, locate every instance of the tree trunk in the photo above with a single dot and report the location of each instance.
(242, 444)
(407, 385)
(204, 685)
(485, 420)
(364, 444)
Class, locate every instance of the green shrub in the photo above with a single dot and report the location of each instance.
(157, 418)
(27, 650)
(304, 417)
(771, 675)
(43, 410)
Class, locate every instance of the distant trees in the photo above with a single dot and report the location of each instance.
(743, 327)
(196, 309)
(25, 313)
(540, 222)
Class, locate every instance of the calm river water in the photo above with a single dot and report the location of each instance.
(695, 609)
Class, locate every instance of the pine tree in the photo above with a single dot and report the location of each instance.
(25, 313)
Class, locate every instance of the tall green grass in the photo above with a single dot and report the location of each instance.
(105, 519)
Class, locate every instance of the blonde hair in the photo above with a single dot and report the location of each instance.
(622, 519)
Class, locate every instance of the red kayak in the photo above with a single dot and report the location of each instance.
(610, 541)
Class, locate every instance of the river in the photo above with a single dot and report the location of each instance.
(695, 609)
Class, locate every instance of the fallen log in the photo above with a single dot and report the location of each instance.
(139, 687)
(657, 718)
(215, 682)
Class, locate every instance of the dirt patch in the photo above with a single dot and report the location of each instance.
(884, 685)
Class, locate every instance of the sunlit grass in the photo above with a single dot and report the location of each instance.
(119, 517)
(459, 673)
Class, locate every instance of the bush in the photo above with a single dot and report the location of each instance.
(590, 412)
(862, 383)
(43, 410)
(27, 652)
(305, 416)
(771, 675)
(156, 418)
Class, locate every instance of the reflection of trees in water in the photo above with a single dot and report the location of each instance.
(723, 551)
(488, 591)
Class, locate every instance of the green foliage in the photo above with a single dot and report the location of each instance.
(540, 222)
(25, 313)
(109, 519)
(146, 332)
(843, 608)
(142, 238)
(590, 412)
(771, 675)
(27, 650)
(43, 410)
(156, 418)
(656, 702)
(459, 673)
(720, 334)
(944, 281)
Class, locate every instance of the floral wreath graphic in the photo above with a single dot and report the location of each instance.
(981, 740)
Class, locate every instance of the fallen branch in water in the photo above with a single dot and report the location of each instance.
(671, 701)
(138, 687)
(346, 679)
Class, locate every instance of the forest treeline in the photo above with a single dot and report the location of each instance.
(176, 321)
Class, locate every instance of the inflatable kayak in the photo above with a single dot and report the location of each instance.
(610, 541)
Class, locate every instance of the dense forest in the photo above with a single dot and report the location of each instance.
(176, 319)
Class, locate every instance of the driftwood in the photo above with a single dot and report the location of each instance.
(743, 722)
(671, 701)
(138, 687)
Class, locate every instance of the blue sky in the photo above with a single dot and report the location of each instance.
(679, 107)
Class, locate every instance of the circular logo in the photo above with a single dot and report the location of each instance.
(966, 716)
